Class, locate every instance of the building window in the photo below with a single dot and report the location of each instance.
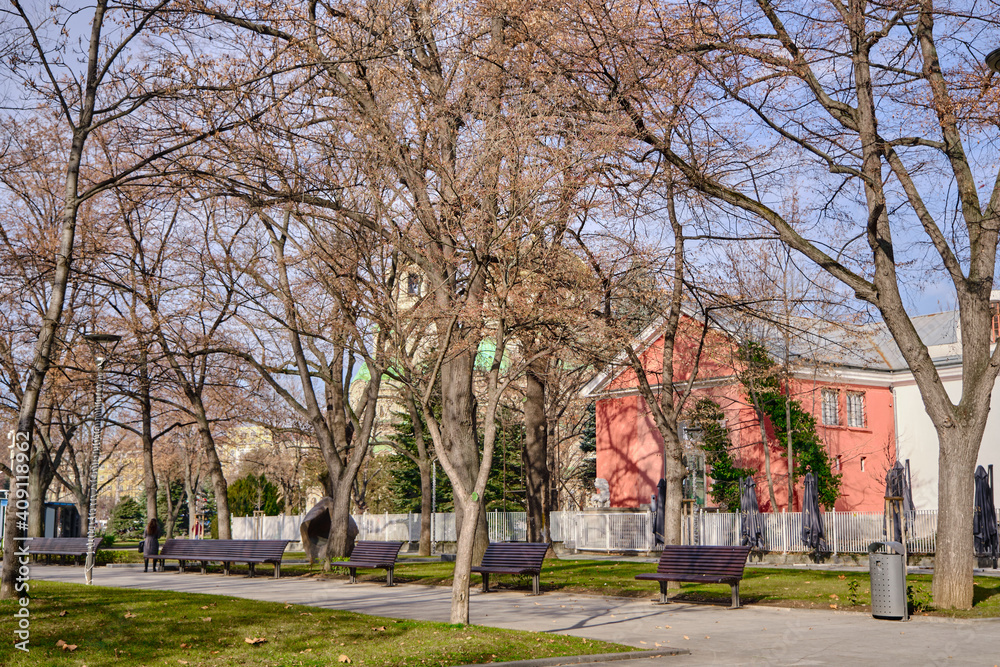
(831, 407)
(855, 409)
(838, 463)
(863, 463)
(413, 284)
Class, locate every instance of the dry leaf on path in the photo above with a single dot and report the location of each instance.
(255, 640)
(129, 614)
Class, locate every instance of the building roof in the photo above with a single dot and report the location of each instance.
(815, 341)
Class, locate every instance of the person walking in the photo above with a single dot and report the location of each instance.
(151, 544)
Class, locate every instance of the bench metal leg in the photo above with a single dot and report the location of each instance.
(204, 567)
(664, 594)
(736, 595)
(277, 570)
(535, 585)
(225, 568)
(253, 569)
(354, 574)
(180, 566)
(389, 577)
(486, 582)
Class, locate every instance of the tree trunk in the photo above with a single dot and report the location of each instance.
(39, 479)
(426, 506)
(458, 426)
(465, 554)
(219, 484)
(339, 544)
(536, 469)
(674, 473)
(791, 453)
(146, 410)
(952, 585)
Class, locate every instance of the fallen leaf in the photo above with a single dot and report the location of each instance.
(287, 606)
(707, 637)
(129, 614)
(60, 644)
(380, 628)
(807, 582)
(834, 596)
(183, 662)
(207, 619)
(685, 637)
(254, 640)
(305, 613)
(185, 646)
(641, 642)
(62, 613)
(842, 576)
(343, 658)
(833, 606)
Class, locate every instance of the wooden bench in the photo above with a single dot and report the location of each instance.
(250, 552)
(373, 556)
(513, 558)
(701, 564)
(61, 546)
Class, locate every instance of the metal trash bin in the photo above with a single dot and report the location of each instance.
(887, 570)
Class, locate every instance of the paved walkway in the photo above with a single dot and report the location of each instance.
(714, 635)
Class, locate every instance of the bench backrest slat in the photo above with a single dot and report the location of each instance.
(223, 549)
(42, 545)
(714, 561)
(526, 555)
(375, 552)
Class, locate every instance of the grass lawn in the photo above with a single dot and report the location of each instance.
(137, 627)
(779, 587)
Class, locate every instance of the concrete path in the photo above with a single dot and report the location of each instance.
(714, 635)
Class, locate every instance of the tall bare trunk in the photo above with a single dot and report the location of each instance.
(146, 413)
(426, 507)
(536, 468)
(458, 426)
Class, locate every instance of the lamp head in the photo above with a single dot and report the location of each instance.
(993, 60)
(102, 344)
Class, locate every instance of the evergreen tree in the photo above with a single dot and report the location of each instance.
(254, 492)
(128, 519)
(405, 484)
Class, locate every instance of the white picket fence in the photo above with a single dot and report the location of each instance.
(846, 532)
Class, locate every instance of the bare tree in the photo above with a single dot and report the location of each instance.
(877, 105)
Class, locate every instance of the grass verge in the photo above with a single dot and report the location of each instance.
(140, 627)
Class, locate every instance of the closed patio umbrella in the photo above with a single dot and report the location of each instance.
(751, 521)
(812, 519)
(897, 485)
(984, 519)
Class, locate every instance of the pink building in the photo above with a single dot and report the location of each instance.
(852, 403)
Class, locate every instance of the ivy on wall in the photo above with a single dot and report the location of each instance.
(807, 448)
(708, 419)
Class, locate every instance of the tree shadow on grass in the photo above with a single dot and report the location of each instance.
(982, 593)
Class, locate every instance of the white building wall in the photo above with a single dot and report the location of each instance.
(917, 440)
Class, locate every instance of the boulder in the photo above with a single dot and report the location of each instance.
(315, 530)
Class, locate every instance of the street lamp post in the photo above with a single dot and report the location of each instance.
(993, 60)
(101, 346)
